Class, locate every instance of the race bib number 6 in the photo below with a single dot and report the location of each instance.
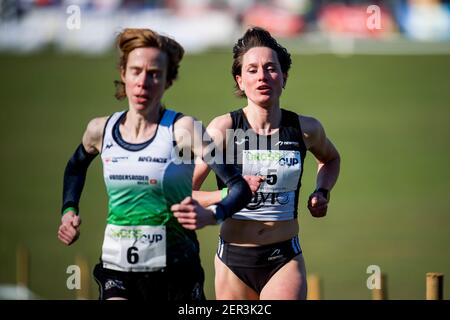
(134, 248)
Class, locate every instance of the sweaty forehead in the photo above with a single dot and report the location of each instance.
(259, 55)
(148, 57)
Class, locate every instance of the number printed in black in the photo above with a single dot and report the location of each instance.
(271, 177)
(132, 255)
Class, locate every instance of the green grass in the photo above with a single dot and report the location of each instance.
(389, 116)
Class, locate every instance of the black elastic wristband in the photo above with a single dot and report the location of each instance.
(324, 192)
(75, 176)
(219, 213)
(70, 204)
(239, 193)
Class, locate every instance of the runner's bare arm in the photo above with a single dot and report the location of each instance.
(74, 177)
(92, 137)
(328, 163)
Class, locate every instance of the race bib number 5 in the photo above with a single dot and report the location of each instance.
(281, 168)
(134, 248)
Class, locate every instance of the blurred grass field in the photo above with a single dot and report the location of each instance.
(389, 116)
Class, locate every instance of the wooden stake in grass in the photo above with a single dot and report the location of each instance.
(83, 292)
(22, 267)
(314, 292)
(382, 293)
(435, 286)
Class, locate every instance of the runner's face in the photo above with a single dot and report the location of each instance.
(261, 77)
(145, 77)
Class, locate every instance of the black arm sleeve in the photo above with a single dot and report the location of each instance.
(74, 177)
(239, 193)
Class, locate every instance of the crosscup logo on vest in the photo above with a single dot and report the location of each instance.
(136, 234)
(288, 161)
(280, 156)
(255, 156)
(150, 238)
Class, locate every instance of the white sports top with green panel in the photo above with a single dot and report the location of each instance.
(143, 181)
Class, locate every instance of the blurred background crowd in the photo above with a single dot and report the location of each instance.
(90, 25)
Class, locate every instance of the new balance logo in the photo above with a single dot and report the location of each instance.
(276, 254)
(241, 141)
(109, 145)
(287, 143)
